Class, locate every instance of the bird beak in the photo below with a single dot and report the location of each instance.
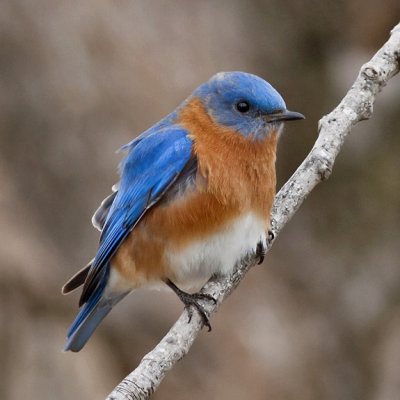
(285, 115)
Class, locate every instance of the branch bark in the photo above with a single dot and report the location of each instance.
(356, 106)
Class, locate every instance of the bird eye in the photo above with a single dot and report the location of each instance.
(243, 106)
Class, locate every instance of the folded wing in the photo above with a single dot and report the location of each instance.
(151, 167)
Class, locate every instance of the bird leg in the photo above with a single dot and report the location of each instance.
(191, 300)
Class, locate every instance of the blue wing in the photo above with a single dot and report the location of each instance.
(152, 165)
(101, 213)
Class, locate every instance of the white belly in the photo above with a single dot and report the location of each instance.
(218, 253)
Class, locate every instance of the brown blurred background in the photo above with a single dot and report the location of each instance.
(319, 320)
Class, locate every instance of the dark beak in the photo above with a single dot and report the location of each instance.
(285, 115)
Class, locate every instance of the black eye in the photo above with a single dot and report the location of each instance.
(243, 106)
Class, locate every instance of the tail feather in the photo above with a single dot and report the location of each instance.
(92, 313)
(88, 320)
(81, 335)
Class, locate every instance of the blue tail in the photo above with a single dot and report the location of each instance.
(92, 313)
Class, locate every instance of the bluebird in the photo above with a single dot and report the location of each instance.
(195, 194)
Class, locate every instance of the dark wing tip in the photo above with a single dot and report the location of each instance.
(77, 280)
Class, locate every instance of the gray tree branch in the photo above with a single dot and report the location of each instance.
(356, 106)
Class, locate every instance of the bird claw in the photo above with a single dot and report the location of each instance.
(191, 300)
(261, 251)
(271, 236)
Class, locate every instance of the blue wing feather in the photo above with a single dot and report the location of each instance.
(150, 168)
(166, 122)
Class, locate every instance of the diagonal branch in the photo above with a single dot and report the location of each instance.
(356, 106)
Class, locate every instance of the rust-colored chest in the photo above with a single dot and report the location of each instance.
(238, 171)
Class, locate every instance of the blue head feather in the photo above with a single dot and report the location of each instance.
(225, 90)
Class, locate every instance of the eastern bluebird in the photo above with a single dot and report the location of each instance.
(195, 194)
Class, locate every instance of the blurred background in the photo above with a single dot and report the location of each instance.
(320, 319)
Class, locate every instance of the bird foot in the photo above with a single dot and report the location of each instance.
(261, 251)
(190, 301)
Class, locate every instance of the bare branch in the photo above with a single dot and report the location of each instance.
(356, 106)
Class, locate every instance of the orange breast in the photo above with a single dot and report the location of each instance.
(235, 175)
(237, 171)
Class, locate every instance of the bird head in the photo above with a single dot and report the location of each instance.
(245, 103)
